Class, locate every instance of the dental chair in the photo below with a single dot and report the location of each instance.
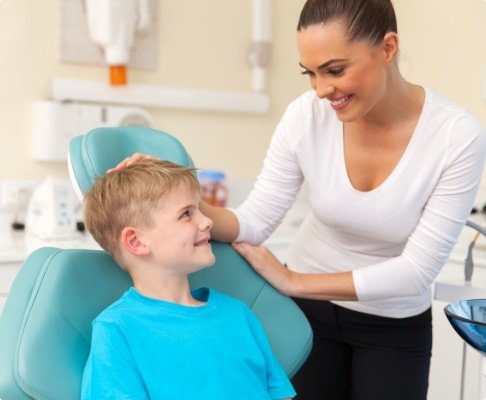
(45, 328)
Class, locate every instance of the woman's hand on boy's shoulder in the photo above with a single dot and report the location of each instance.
(267, 265)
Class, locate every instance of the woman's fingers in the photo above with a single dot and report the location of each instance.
(130, 160)
(266, 264)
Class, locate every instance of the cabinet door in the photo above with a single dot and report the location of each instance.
(8, 272)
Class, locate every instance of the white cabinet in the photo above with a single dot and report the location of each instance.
(7, 275)
(12, 254)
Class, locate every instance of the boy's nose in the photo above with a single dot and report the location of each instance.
(206, 223)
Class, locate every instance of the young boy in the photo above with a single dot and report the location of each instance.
(160, 340)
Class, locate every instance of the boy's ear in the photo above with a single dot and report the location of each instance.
(131, 241)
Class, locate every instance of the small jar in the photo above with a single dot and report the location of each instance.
(213, 189)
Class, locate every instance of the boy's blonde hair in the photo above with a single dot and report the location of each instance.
(129, 197)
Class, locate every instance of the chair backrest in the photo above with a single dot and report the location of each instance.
(45, 326)
(45, 329)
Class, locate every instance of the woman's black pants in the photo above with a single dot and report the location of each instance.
(357, 356)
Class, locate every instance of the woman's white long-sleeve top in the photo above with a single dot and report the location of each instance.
(395, 238)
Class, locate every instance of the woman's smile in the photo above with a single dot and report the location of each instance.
(339, 104)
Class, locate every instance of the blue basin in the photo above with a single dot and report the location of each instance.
(468, 318)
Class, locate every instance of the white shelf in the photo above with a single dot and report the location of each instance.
(63, 89)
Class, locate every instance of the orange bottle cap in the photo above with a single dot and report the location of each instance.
(118, 75)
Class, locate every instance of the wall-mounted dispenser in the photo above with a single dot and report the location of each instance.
(55, 123)
(255, 100)
(112, 24)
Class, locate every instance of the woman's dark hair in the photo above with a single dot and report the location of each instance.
(367, 20)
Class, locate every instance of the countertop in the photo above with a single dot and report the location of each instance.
(16, 245)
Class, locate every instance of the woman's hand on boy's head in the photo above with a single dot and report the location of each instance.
(130, 160)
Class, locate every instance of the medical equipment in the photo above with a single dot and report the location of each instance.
(112, 24)
(46, 323)
(259, 55)
(256, 101)
(55, 123)
(57, 293)
(51, 211)
(468, 318)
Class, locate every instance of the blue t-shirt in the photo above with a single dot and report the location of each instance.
(145, 348)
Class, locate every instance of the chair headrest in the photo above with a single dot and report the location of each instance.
(92, 154)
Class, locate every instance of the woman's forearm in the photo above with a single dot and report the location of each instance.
(325, 286)
(334, 286)
(225, 224)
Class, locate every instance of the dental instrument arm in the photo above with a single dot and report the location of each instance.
(469, 262)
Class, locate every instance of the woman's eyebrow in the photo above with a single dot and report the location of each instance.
(326, 64)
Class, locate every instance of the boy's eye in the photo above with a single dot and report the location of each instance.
(185, 214)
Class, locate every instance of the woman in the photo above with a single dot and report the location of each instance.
(392, 170)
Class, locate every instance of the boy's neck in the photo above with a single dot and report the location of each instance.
(174, 289)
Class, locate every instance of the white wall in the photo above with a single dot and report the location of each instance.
(443, 47)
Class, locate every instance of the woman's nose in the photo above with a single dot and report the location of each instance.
(323, 88)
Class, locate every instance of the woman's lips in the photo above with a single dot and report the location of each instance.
(340, 103)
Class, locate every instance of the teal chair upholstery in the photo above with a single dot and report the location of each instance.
(45, 328)
(92, 154)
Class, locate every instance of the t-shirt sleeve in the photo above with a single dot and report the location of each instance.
(110, 372)
(278, 384)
